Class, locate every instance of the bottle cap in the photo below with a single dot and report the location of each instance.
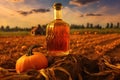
(57, 6)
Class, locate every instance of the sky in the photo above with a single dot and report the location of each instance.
(27, 13)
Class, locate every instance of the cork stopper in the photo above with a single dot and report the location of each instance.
(57, 6)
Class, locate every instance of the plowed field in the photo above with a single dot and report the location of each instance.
(92, 46)
(98, 54)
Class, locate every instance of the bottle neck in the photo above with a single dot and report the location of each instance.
(57, 14)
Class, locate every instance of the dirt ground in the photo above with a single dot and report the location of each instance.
(88, 45)
(91, 46)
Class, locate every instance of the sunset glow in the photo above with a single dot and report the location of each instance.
(27, 13)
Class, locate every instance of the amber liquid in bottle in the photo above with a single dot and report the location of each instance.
(57, 34)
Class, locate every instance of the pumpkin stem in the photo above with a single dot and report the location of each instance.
(29, 53)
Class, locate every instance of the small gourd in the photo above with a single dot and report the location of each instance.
(31, 60)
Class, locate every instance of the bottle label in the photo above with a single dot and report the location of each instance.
(58, 38)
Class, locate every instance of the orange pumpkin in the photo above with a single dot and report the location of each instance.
(32, 60)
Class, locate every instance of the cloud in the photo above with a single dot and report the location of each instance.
(90, 14)
(40, 10)
(15, 0)
(25, 13)
(93, 14)
(81, 2)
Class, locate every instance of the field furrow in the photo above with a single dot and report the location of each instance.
(91, 45)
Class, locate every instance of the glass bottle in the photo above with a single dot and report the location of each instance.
(57, 34)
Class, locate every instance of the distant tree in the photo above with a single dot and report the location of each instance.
(16, 28)
(111, 26)
(88, 25)
(7, 28)
(118, 25)
(82, 26)
(2, 28)
(73, 26)
(108, 25)
(91, 25)
(98, 26)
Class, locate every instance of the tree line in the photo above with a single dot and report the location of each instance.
(8, 28)
(17, 28)
(72, 26)
(98, 26)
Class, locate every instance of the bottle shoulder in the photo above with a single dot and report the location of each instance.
(58, 21)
